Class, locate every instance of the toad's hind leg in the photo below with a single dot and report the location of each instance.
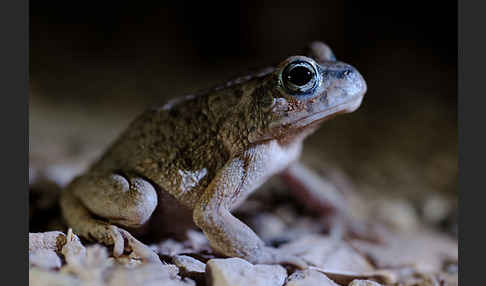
(122, 200)
(322, 196)
(125, 200)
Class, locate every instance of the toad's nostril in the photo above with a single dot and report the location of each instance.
(339, 73)
(344, 73)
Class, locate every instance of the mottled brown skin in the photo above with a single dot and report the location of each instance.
(208, 152)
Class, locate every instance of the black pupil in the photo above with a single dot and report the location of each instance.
(299, 75)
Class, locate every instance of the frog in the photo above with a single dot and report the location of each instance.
(198, 157)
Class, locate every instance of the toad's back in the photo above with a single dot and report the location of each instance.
(175, 147)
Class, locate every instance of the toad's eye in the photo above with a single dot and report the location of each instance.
(300, 77)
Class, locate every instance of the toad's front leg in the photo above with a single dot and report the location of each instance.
(227, 234)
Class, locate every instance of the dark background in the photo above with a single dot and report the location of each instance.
(93, 66)
(152, 40)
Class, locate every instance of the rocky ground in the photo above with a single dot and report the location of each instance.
(411, 251)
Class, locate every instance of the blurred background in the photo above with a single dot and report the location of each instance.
(94, 67)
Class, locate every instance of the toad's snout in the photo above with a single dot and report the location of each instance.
(347, 77)
(346, 86)
(357, 84)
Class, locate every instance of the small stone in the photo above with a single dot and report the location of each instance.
(148, 274)
(435, 208)
(286, 213)
(169, 247)
(45, 259)
(426, 279)
(96, 257)
(327, 253)
(236, 271)
(423, 250)
(42, 249)
(44, 240)
(398, 214)
(189, 266)
(364, 283)
(344, 277)
(90, 266)
(268, 226)
(39, 277)
(309, 277)
(197, 241)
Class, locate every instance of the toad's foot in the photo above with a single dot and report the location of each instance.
(84, 224)
(139, 249)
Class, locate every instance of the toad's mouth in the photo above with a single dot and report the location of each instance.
(312, 119)
(323, 115)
